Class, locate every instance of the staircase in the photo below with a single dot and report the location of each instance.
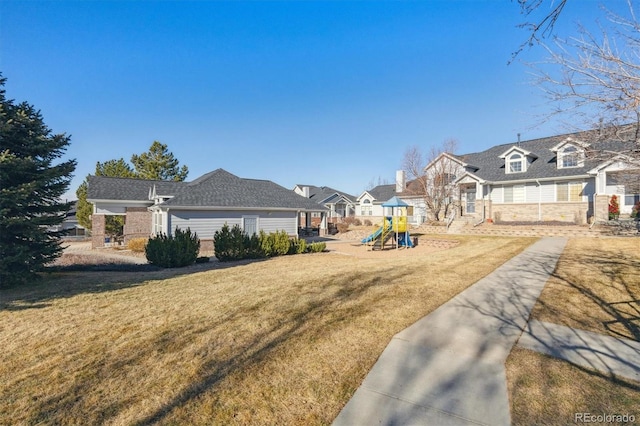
(381, 240)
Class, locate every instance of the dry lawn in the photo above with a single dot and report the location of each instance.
(281, 341)
(549, 391)
(595, 287)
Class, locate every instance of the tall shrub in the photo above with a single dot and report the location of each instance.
(178, 250)
(233, 244)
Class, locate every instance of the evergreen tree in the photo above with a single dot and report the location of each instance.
(158, 164)
(31, 185)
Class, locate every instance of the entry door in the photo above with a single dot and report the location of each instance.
(250, 224)
(471, 200)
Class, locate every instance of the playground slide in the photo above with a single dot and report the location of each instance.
(377, 233)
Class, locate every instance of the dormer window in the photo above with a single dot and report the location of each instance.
(515, 163)
(569, 153)
(569, 157)
(517, 160)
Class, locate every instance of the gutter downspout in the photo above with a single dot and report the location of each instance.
(539, 200)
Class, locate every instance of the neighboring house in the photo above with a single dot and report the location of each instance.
(340, 204)
(204, 205)
(70, 225)
(547, 179)
(369, 203)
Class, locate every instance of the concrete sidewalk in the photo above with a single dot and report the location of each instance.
(448, 368)
(610, 355)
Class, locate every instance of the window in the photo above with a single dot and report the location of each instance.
(569, 191)
(366, 211)
(570, 157)
(514, 163)
(631, 199)
(157, 223)
(514, 194)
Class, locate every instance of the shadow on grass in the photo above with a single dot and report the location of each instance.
(310, 321)
(68, 281)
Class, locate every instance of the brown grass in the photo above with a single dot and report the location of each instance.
(281, 341)
(595, 287)
(549, 391)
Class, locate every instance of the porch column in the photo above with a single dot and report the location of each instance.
(98, 225)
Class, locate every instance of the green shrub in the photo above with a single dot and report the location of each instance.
(317, 247)
(281, 243)
(229, 244)
(202, 259)
(178, 250)
(298, 246)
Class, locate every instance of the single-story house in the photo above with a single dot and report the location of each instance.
(569, 178)
(340, 204)
(204, 205)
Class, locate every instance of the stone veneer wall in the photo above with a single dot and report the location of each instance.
(98, 224)
(137, 223)
(602, 207)
(564, 212)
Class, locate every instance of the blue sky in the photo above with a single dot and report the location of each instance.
(323, 93)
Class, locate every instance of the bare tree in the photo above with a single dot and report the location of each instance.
(538, 26)
(432, 175)
(593, 82)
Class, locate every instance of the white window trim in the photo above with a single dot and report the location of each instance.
(522, 161)
(579, 153)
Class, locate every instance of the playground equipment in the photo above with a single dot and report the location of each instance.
(392, 227)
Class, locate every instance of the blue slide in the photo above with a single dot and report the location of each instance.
(378, 232)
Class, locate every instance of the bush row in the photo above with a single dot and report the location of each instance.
(234, 244)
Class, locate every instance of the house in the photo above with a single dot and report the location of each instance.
(369, 203)
(340, 204)
(70, 224)
(204, 205)
(556, 178)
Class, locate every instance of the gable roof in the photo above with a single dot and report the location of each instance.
(219, 189)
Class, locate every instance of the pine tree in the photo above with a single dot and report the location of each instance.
(158, 164)
(31, 185)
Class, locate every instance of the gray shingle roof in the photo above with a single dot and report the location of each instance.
(321, 193)
(215, 189)
(491, 167)
(129, 189)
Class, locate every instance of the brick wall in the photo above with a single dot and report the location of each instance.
(564, 212)
(137, 223)
(98, 223)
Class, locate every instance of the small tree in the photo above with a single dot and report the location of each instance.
(30, 189)
(435, 184)
(614, 208)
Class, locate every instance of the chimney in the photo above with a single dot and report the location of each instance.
(305, 191)
(400, 181)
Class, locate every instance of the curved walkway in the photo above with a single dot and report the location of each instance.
(448, 368)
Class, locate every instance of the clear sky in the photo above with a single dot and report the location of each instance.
(323, 93)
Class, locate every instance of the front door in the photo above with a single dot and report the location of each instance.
(471, 200)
